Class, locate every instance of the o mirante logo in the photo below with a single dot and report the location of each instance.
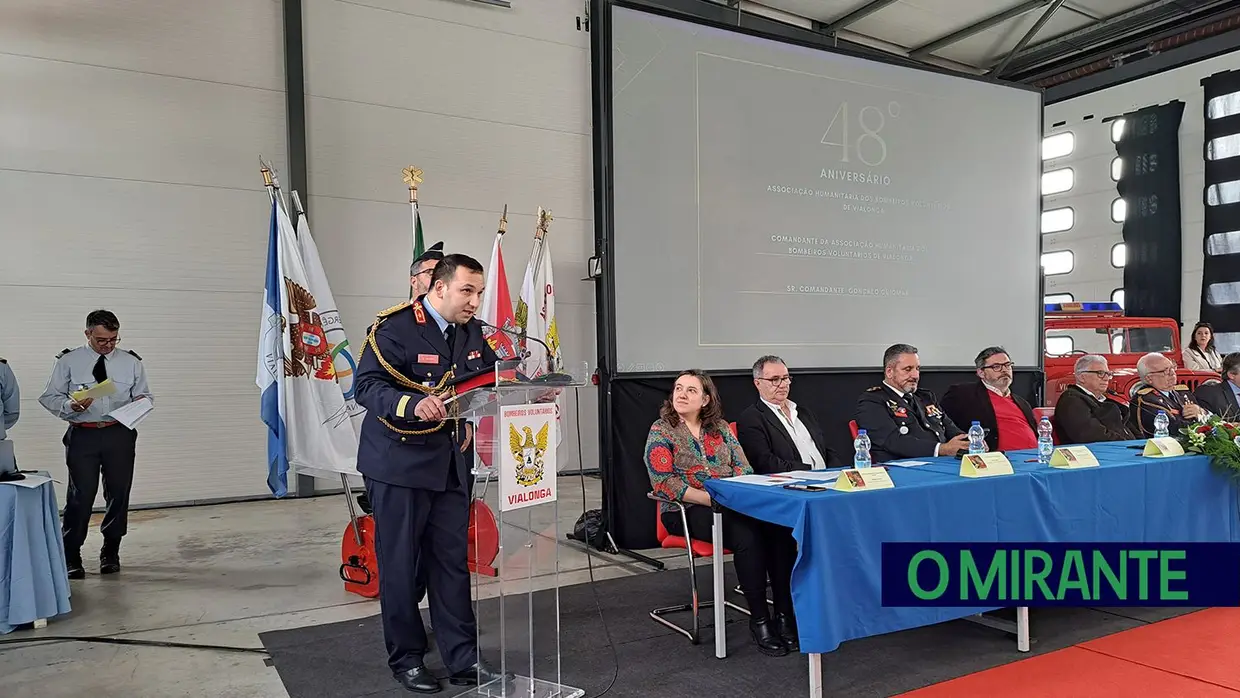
(1060, 574)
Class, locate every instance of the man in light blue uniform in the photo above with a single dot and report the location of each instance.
(96, 443)
(10, 399)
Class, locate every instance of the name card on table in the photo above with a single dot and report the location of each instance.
(984, 465)
(1165, 447)
(860, 479)
(1073, 457)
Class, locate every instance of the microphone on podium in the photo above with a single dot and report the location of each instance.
(550, 378)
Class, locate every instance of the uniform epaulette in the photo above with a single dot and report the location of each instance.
(63, 352)
(875, 389)
(134, 353)
(394, 309)
(1181, 387)
(1145, 391)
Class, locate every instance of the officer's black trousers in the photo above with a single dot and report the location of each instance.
(419, 590)
(415, 527)
(90, 453)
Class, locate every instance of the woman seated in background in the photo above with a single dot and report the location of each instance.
(1200, 354)
(690, 443)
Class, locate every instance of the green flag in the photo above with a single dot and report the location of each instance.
(418, 245)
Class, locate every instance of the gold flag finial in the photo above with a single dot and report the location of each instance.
(503, 221)
(412, 177)
(269, 177)
(544, 219)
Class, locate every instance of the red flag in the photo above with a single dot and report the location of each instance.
(497, 305)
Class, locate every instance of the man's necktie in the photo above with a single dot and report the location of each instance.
(450, 335)
(101, 369)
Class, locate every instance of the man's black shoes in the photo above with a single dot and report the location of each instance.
(73, 564)
(419, 680)
(110, 558)
(479, 674)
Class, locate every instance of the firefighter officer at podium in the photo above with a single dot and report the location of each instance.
(416, 475)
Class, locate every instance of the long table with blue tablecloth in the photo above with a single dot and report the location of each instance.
(34, 582)
(836, 583)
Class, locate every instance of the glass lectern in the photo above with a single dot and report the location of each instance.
(518, 435)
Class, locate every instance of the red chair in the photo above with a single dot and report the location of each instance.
(694, 549)
(852, 426)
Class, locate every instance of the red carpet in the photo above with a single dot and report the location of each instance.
(1204, 645)
(1190, 656)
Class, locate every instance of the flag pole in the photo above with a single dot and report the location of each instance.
(412, 176)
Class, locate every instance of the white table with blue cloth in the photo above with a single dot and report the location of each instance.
(34, 583)
(836, 582)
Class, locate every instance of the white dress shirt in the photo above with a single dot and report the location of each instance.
(800, 435)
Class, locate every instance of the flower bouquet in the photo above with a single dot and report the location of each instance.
(1216, 438)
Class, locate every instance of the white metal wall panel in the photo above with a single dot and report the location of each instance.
(1093, 235)
(494, 105)
(131, 131)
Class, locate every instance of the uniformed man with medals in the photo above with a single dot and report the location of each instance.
(416, 476)
(1161, 393)
(903, 421)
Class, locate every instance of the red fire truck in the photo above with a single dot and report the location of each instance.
(1076, 329)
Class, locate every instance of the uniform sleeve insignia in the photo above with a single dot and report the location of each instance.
(134, 353)
(63, 352)
(933, 410)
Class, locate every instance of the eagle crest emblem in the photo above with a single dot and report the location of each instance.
(310, 353)
(528, 452)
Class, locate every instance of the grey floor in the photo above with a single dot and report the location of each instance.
(222, 574)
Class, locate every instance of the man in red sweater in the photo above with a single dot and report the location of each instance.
(1006, 417)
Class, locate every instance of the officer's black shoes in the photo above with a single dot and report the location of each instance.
(787, 628)
(769, 643)
(110, 558)
(73, 563)
(419, 680)
(479, 673)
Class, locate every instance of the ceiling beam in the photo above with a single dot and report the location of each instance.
(1082, 11)
(997, 71)
(977, 28)
(856, 15)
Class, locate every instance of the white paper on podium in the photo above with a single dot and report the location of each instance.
(133, 413)
(30, 481)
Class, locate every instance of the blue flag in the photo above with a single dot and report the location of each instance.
(270, 376)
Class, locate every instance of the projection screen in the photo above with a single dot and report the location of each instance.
(772, 198)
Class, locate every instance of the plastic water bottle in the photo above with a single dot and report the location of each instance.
(1046, 441)
(861, 446)
(1160, 425)
(977, 438)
